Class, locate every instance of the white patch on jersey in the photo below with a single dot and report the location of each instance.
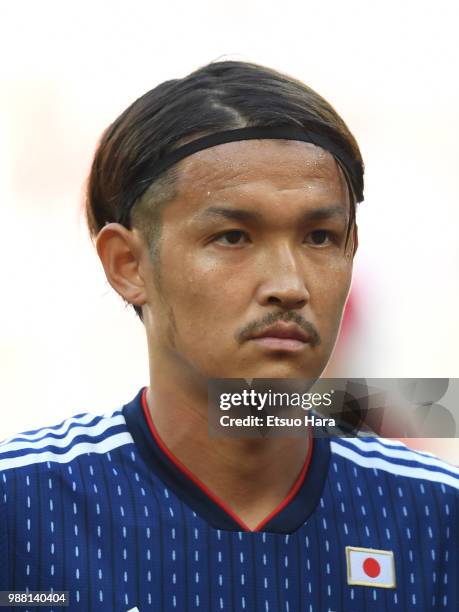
(370, 567)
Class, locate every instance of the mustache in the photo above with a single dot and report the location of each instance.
(246, 332)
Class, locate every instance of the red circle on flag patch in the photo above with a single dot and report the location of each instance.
(371, 567)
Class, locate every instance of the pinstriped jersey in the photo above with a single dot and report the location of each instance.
(99, 507)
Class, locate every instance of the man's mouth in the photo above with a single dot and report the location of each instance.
(282, 337)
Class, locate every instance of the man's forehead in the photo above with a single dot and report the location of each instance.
(290, 164)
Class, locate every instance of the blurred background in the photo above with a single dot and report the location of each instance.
(68, 344)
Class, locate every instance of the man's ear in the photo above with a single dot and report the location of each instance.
(355, 238)
(120, 251)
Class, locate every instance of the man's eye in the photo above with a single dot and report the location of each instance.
(319, 237)
(232, 237)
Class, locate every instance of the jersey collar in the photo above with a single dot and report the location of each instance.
(286, 518)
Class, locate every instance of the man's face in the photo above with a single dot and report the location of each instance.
(253, 273)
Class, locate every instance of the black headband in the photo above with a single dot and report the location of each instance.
(338, 147)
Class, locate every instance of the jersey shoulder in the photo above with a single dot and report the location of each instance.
(397, 460)
(63, 442)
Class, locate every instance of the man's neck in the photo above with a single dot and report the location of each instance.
(251, 477)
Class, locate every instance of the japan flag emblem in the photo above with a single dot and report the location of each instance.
(370, 567)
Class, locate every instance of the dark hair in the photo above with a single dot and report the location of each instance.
(222, 95)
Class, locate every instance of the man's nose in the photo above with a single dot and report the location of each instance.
(284, 282)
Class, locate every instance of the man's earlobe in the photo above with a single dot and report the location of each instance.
(120, 251)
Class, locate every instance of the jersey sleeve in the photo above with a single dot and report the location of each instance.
(4, 543)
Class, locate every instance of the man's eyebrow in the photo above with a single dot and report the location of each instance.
(326, 212)
(240, 214)
(235, 214)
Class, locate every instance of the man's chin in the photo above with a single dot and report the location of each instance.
(280, 370)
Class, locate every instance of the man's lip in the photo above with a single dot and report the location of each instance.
(285, 331)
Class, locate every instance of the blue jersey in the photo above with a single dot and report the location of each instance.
(99, 507)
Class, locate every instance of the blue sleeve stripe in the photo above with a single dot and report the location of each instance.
(63, 446)
(395, 445)
(402, 454)
(85, 418)
(118, 423)
(103, 446)
(411, 470)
